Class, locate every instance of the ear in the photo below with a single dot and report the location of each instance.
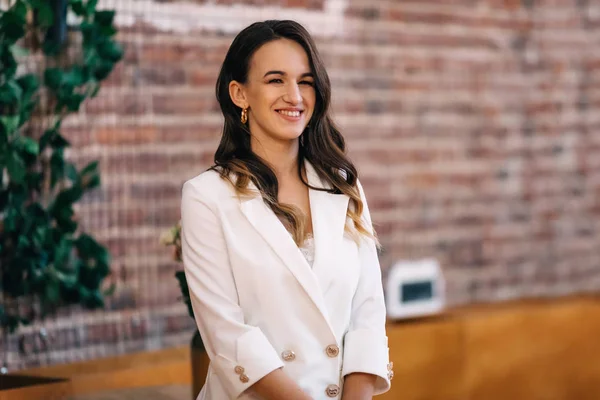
(238, 94)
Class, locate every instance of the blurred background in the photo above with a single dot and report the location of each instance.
(473, 124)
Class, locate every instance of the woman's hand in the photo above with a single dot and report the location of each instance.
(359, 386)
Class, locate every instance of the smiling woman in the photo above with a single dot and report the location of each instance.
(278, 248)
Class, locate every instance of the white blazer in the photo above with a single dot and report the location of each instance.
(260, 306)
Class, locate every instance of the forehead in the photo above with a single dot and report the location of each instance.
(280, 55)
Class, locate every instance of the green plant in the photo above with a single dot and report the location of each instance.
(44, 255)
(172, 237)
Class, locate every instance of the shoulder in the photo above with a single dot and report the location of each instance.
(208, 187)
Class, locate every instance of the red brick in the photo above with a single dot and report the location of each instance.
(178, 103)
(126, 135)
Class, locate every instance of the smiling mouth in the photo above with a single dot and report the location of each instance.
(290, 113)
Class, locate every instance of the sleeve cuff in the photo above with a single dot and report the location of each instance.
(256, 358)
(366, 351)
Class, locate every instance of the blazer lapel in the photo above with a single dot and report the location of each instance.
(266, 223)
(329, 219)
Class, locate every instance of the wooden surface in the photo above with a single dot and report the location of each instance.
(46, 391)
(526, 350)
(531, 350)
(167, 392)
(164, 367)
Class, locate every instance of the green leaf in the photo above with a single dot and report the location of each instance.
(9, 64)
(45, 15)
(10, 92)
(103, 69)
(46, 138)
(75, 77)
(13, 22)
(90, 7)
(71, 172)
(23, 243)
(52, 291)
(74, 101)
(20, 9)
(105, 17)
(34, 179)
(15, 167)
(29, 83)
(92, 167)
(51, 48)
(53, 77)
(110, 50)
(89, 177)
(66, 198)
(63, 253)
(67, 279)
(77, 7)
(39, 235)
(10, 123)
(57, 167)
(95, 300)
(89, 32)
(27, 145)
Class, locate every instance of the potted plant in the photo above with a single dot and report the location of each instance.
(199, 358)
(46, 261)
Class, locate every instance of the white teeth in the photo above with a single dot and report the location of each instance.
(290, 113)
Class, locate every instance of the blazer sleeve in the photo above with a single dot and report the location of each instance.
(366, 343)
(240, 354)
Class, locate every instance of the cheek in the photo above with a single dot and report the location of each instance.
(263, 100)
(310, 96)
(310, 99)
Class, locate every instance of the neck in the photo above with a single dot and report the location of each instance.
(282, 156)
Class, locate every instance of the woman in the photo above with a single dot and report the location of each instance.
(278, 248)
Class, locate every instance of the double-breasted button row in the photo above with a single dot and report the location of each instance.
(332, 351)
(332, 390)
(240, 371)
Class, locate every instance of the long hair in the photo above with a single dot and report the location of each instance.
(321, 142)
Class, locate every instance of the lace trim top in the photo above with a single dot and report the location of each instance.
(308, 249)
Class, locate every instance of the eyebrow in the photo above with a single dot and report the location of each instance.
(304, 75)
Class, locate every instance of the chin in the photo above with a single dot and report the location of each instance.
(288, 135)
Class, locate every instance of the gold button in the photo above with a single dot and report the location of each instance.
(332, 390)
(239, 370)
(332, 350)
(244, 378)
(288, 355)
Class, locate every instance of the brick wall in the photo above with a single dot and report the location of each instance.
(473, 124)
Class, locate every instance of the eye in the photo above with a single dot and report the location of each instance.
(276, 80)
(309, 83)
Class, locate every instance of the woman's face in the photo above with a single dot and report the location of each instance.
(279, 92)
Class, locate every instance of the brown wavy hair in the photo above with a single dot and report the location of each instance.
(321, 142)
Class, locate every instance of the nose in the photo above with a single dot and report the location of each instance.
(292, 94)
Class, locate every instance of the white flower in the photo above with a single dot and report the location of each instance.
(168, 237)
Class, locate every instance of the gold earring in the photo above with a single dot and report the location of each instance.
(244, 118)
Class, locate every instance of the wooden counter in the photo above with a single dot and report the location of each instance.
(526, 350)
